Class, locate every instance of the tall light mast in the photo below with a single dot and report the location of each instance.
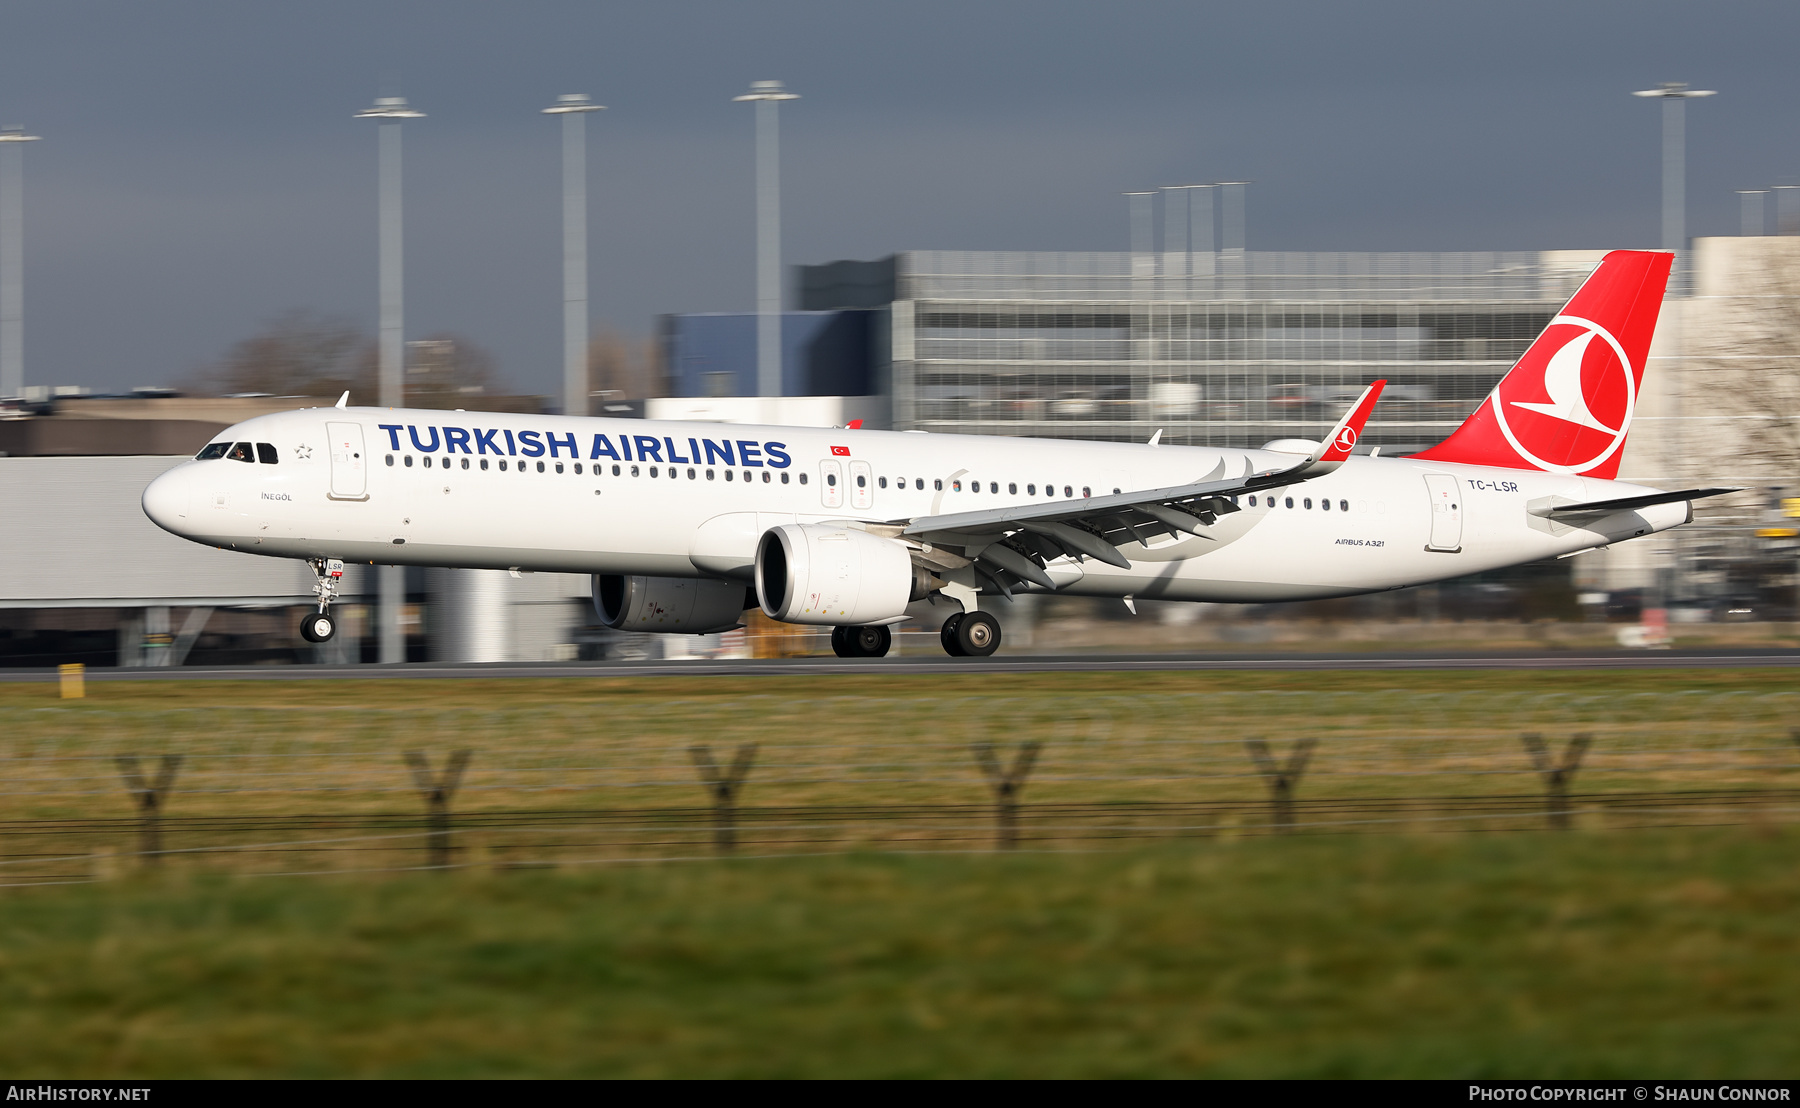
(573, 108)
(389, 111)
(767, 95)
(12, 259)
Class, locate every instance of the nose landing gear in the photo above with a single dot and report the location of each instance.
(319, 626)
(970, 635)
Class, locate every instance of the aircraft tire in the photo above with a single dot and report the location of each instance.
(841, 643)
(978, 635)
(952, 646)
(869, 642)
(318, 627)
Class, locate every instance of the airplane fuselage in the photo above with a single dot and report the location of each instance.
(670, 499)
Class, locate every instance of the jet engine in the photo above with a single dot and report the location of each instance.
(838, 576)
(669, 605)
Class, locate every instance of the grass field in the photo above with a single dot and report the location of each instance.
(1659, 953)
(313, 776)
(1667, 952)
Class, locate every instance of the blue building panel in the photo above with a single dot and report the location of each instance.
(822, 353)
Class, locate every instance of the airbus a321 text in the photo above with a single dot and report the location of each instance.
(685, 526)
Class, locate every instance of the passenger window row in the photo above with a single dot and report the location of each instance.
(1305, 502)
(693, 473)
(1012, 488)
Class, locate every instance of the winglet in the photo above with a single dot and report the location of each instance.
(1343, 437)
(854, 425)
(344, 400)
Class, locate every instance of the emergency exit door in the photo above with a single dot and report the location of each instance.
(1446, 512)
(831, 484)
(349, 462)
(862, 485)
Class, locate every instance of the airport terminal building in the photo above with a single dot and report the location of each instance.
(1226, 348)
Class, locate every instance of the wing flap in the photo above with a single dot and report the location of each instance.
(1628, 503)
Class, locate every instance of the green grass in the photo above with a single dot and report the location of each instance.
(1666, 953)
(257, 755)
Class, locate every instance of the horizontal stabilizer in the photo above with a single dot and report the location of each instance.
(1628, 503)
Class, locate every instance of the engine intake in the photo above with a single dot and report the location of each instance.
(669, 605)
(836, 576)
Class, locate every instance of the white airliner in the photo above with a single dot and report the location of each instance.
(684, 526)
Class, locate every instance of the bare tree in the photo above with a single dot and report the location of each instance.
(298, 353)
(448, 371)
(617, 365)
(1748, 358)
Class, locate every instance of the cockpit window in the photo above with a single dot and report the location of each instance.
(241, 452)
(212, 450)
(265, 453)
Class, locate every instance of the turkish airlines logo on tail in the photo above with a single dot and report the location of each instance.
(1346, 439)
(1567, 405)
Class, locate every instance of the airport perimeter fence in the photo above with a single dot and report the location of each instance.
(87, 791)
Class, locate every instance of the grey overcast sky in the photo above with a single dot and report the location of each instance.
(200, 172)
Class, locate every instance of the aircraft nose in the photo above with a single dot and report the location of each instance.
(166, 501)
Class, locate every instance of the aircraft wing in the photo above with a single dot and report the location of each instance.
(1013, 543)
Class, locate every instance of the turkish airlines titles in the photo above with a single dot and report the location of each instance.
(748, 453)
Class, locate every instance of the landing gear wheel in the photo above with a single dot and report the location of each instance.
(318, 627)
(870, 642)
(978, 635)
(947, 636)
(861, 642)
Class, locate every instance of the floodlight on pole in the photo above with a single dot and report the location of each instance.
(1182, 233)
(1141, 210)
(1674, 96)
(12, 260)
(389, 111)
(767, 95)
(573, 107)
(1751, 220)
(1787, 209)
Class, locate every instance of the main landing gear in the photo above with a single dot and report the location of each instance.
(965, 635)
(861, 642)
(970, 635)
(319, 626)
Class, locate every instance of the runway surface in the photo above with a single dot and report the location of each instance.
(923, 666)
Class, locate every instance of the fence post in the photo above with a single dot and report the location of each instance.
(1007, 784)
(149, 796)
(1556, 777)
(437, 793)
(724, 788)
(1283, 778)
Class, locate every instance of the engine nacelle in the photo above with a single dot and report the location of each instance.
(669, 605)
(837, 576)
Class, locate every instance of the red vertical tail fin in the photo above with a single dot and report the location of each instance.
(1567, 404)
